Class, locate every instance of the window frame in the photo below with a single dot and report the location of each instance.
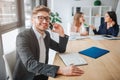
(19, 23)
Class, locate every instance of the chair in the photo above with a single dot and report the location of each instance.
(9, 60)
(119, 31)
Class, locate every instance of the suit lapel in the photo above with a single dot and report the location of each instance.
(35, 43)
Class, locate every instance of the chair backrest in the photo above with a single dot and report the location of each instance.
(119, 31)
(9, 60)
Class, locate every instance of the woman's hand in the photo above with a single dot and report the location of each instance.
(85, 33)
(70, 71)
(112, 23)
(92, 27)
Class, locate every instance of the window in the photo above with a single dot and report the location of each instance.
(43, 2)
(11, 14)
(8, 12)
(11, 17)
(28, 6)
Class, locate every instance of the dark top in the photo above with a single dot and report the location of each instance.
(111, 31)
(27, 52)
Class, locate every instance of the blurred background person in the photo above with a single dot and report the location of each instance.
(110, 25)
(78, 26)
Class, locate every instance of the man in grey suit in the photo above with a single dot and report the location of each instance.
(33, 46)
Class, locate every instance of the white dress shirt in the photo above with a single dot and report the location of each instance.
(41, 42)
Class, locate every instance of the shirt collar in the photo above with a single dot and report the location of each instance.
(38, 35)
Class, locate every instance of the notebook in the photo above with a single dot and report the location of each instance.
(94, 52)
(72, 59)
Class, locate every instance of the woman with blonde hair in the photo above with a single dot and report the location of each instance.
(78, 25)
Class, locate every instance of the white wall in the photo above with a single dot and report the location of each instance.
(118, 12)
(112, 3)
(64, 7)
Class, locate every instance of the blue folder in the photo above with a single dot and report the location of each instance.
(94, 52)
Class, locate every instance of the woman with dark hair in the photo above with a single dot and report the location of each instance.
(109, 27)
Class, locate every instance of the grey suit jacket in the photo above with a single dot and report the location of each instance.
(27, 49)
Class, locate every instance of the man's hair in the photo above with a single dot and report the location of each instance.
(40, 8)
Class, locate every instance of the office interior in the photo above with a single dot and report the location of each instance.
(15, 17)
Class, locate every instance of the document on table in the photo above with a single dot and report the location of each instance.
(76, 37)
(72, 59)
(97, 37)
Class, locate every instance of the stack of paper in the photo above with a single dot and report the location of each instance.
(72, 59)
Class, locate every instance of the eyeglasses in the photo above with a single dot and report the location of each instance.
(41, 18)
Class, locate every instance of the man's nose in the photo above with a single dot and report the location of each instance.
(44, 20)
